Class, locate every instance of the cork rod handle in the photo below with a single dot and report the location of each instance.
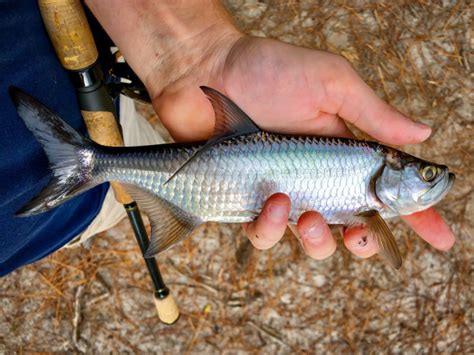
(69, 31)
(167, 309)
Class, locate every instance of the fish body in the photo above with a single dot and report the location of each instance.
(231, 181)
(229, 177)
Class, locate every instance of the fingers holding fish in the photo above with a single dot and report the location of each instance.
(270, 225)
(429, 225)
(360, 242)
(316, 236)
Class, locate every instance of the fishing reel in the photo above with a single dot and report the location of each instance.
(120, 79)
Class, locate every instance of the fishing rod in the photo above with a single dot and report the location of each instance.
(74, 44)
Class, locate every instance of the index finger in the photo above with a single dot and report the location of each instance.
(429, 225)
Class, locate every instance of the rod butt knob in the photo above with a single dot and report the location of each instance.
(167, 309)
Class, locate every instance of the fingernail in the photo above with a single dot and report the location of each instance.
(277, 212)
(426, 129)
(315, 232)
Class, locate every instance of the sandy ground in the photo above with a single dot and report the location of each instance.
(234, 299)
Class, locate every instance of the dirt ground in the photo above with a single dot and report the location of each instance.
(234, 299)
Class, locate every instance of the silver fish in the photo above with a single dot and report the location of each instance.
(228, 178)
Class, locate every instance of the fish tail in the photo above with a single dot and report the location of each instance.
(71, 156)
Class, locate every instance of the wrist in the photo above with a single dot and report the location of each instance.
(196, 36)
(163, 40)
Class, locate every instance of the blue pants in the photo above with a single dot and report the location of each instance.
(27, 60)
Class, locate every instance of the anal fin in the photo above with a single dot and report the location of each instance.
(383, 237)
(169, 223)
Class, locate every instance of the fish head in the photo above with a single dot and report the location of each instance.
(408, 184)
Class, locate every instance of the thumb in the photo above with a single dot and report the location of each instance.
(363, 108)
(186, 113)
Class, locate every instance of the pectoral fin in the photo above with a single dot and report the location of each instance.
(231, 122)
(384, 238)
(169, 223)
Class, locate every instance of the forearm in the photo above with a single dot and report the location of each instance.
(162, 39)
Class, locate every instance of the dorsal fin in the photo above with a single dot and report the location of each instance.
(231, 122)
(169, 223)
(230, 119)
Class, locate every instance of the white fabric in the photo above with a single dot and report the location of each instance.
(136, 131)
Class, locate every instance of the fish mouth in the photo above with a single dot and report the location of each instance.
(451, 179)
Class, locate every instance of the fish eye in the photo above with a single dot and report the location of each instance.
(429, 172)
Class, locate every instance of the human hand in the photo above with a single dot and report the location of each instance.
(285, 89)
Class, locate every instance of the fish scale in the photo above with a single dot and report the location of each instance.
(230, 181)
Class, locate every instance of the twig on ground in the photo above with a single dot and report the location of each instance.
(76, 321)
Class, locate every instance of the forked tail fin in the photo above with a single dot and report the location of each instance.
(70, 155)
